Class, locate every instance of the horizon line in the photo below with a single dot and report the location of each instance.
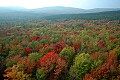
(61, 6)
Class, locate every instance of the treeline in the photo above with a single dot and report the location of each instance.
(18, 18)
(27, 19)
(110, 15)
(67, 50)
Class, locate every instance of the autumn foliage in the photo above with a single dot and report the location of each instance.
(55, 50)
(51, 61)
(58, 47)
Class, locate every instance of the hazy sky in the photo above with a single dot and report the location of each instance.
(85, 4)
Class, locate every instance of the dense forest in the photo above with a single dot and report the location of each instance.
(24, 18)
(109, 15)
(60, 47)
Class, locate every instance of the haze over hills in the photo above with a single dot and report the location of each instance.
(71, 10)
(59, 10)
(13, 16)
(55, 10)
(15, 13)
(12, 9)
(107, 15)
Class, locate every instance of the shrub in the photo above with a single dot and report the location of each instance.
(15, 73)
(10, 63)
(51, 64)
(27, 63)
(95, 64)
(106, 70)
(68, 52)
(54, 39)
(61, 66)
(81, 66)
(95, 56)
(40, 74)
(33, 45)
(101, 44)
(24, 54)
(58, 47)
(35, 56)
(88, 77)
(77, 46)
(24, 43)
(44, 50)
(43, 41)
(35, 38)
(47, 61)
(28, 50)
(16, 50)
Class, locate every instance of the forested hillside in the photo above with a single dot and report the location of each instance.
(24, 18)
(66, 50)
(38, 46)
(110, 15)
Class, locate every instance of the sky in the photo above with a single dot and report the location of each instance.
(84, 4)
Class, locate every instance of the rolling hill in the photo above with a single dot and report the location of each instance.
(108, 15)
(55, 10)
(15, 13)
(70, 10)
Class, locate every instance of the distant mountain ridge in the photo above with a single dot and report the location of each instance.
(107, 15)
(55, 10)
(23, 14)
(59, 10)
(12, 9)
(71, 10)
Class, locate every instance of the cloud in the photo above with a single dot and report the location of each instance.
(69, 3)
(35, 3)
